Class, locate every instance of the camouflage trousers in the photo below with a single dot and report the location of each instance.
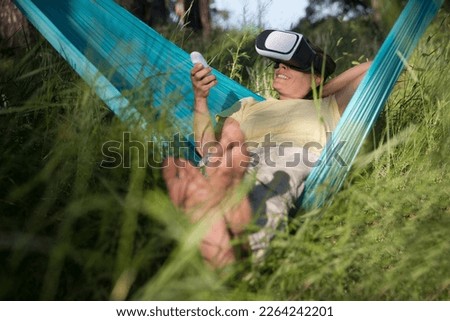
(280, 175)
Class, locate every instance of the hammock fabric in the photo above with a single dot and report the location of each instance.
(115, 53)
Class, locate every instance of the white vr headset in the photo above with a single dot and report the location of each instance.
(290, 48)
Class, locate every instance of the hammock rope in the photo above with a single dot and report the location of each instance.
(114, 52)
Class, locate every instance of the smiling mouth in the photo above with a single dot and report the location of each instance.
(281, 76)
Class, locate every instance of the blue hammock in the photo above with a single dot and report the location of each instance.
(115, 53)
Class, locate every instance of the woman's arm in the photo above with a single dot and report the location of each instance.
(202, 82)
(344, 85)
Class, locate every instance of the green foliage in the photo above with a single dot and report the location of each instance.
(317, 9)
(74, 230)
(346, 42)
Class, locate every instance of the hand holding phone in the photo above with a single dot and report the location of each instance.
(197, 57)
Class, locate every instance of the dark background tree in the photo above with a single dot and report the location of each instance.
(14, 29)
(152, 12)
(194, 14)
(197, 15)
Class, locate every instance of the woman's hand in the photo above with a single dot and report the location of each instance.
(202, 81)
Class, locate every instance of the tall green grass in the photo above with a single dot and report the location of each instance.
(71, 229)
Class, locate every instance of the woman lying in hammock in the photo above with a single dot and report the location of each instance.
(277, 141)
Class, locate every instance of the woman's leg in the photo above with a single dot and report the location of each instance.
(201, 196)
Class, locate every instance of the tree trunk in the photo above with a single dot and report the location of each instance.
(180, 12)
(14, 29)
(192, 17)
(376, 6)
(205, 18)
(198, 16)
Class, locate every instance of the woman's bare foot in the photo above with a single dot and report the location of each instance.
(201, 195)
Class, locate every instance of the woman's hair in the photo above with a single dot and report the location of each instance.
(320, 59)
